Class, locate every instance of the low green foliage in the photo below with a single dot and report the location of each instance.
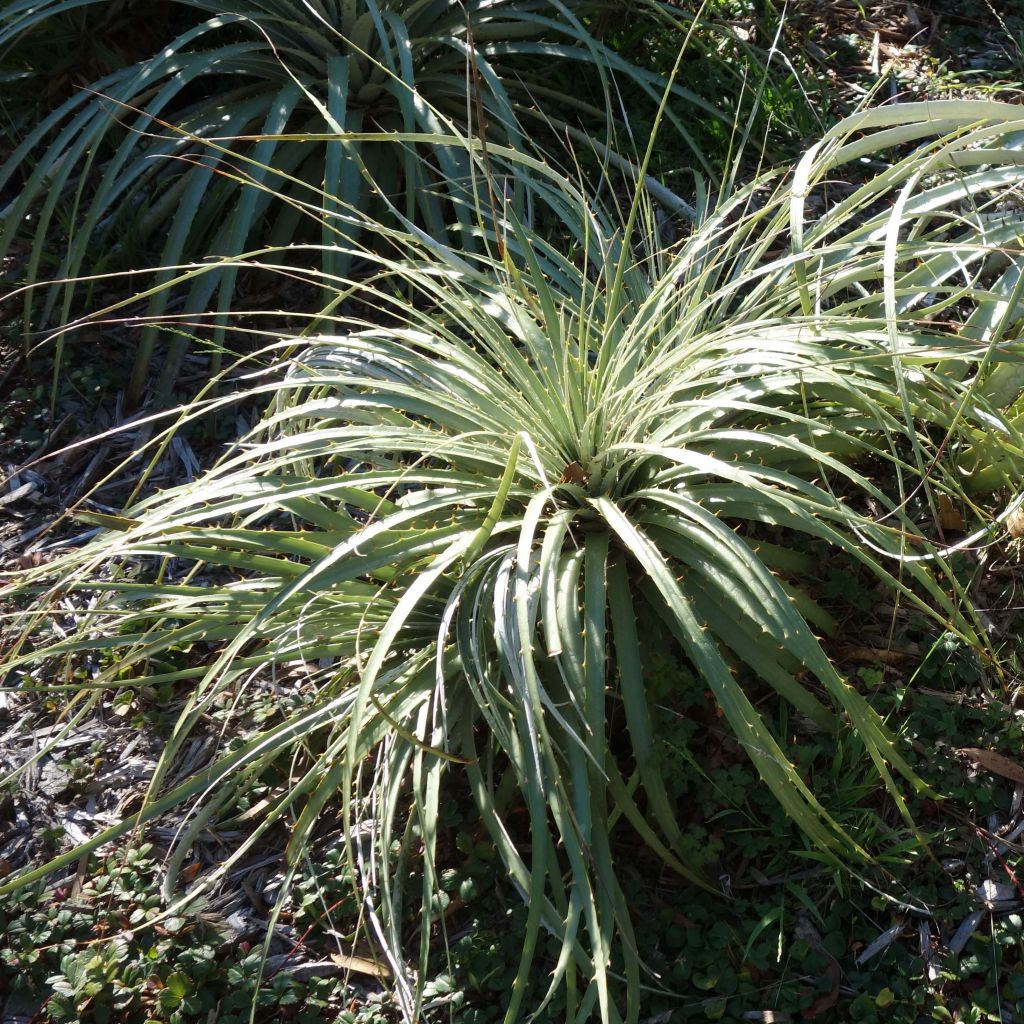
(769, 946)
(107, 952)
(92, 955)
(82, 388)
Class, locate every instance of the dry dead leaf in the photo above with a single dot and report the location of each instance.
(883, 941)
(993, 762)
(81, 875)
(886, 655)
(574, 473)
(805, 930)
(828, 999)
(949, 515)
(189, 872)
(361, 965)
(997, 895)
(967, 928)
(1015, 524)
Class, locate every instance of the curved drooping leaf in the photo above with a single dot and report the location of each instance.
(275, 95)
(457, 525)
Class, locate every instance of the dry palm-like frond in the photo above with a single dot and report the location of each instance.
(470, 515)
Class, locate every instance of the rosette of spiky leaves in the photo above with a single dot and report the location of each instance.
(458, 526)
(294, 98)
(934, 246)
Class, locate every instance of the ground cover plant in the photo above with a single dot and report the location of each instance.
(772, 946)
(454, 516)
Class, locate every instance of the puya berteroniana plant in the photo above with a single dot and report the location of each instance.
(302, 94)
(458, 514)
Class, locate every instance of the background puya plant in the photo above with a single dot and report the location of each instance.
(339, 104)
(456, 524)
